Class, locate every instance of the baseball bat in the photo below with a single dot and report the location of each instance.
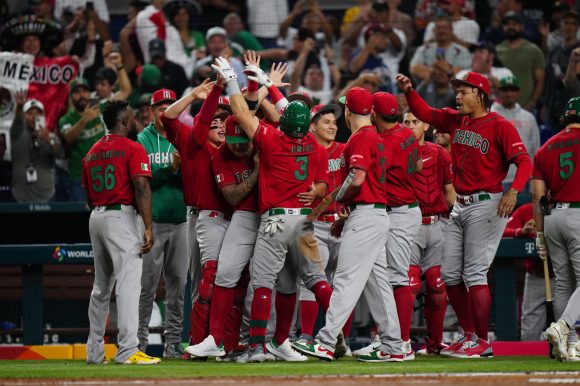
(549, 308)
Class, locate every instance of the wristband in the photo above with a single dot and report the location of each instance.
(252, 105)
(253, 86)
(277, 98)
(233, 88)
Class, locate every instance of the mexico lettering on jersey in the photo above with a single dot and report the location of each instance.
(365, 150)
(108, 170)
(288, 166)
(482, 147)
(230, 169)
(336, 167)
(429, 182)
(403, 149)
(557, 164)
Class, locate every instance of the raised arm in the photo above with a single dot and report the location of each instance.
(235, 193)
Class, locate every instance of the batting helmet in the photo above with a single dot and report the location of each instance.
(572, 110)
(295, 120)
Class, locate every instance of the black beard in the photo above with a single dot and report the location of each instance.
(512, 35)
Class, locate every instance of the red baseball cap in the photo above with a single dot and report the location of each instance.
(323, 109)
(234, 133)
(473, 79)
(358, 100)
(224, 103)
(385, 103)
(163, 95)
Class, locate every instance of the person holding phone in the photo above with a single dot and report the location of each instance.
(34, 150)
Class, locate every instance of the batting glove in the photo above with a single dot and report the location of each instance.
(225, 69)
(541, 245)
(274, 224)
(258, 75)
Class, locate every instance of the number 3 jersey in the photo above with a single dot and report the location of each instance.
(556, 163)
(108, 170)
(288, 166)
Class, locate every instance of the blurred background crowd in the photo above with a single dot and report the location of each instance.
(60, 60)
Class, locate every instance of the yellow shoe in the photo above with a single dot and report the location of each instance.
(140, 358)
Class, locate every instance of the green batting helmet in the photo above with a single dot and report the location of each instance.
(295, 120)
(571, 110)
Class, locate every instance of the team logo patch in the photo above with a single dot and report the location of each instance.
(58, 254)
(145, 167)
(219, 178)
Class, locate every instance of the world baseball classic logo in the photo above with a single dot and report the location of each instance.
(58, 254)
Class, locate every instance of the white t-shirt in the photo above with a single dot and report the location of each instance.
(465, 29)
(496, 72)
(323, 96)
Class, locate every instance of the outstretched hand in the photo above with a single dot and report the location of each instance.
(277, 74)
(201, 91)
(404, 83)
(224, 68)
(251, 58)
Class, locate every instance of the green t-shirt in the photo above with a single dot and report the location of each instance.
(522, 61)
(93, 131)
(198, 39)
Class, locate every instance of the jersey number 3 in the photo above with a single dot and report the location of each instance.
(102, 180)
(302, 173)
(566, 165)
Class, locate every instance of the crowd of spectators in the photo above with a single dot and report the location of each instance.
(529, 50)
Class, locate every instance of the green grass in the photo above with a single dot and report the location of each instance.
(177, 368)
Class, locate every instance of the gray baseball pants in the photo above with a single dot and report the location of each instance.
(404, 225)
(533, 320)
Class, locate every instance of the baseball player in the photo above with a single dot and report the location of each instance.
(170, 252)
(362, 263)
(555, 175)
(484, 145)
(115, 174)
(435, 193)
(197, 145)
(291, 162)
(323, 127)
(405, 215)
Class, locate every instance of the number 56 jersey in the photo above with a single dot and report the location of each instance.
(108, 170)
(288, 166)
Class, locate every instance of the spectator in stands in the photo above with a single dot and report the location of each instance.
(172, 74)
(496, 33)
(465, 30)
(241, 39)
(274, 11)
(533, 321)
(214, 11)
(312, 19)
(437, 91)
(401, 21)
(485, 62)
(572, 77)
(557, 94)
(42, 8)
(107, 77)
(369, 81)
(524, 59)
(143, 115)
(34, 150)
(151, 24)
(128, 42)
(523, 120)
(371, 58)
(80, 128)
(216, 39)
(182, 13)
(427, 10)
(99, 6)
(442, 48)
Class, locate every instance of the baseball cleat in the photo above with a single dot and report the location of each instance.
(140, 358)
(432, 348)
(254, 354)
(572, 353)
(341, 348)
(284, 352)
(348, 351)
(375, 345)
(557, 335)
(173, 350)
(233, 355)
(409, 354)
(303, 339)
(474, 349)
(314, 349)
(104, 361)
(380, 356)
(455, 344)
(207, 348)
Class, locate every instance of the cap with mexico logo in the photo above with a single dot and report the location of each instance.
(234, 133)
(473, 79)
(163, 95)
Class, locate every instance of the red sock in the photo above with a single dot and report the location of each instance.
(259, 315)
(285, 304)
(322, 291)
(222, 301)
(435, 307)
(479, 304)
(404, 301)
(457, 295)
(348, 325)
(308, 314)
(236, 315)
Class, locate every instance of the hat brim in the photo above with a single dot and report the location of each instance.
(236, 140)
(342, 99)
(170, 100)
(329, 108)
(300, 97)
(458, 82)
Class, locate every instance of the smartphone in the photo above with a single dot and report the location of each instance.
(93, 102)
(39, 122)
(90, 6)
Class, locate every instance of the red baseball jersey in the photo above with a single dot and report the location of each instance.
(230, 169)
(555, 163)
(335, 172)
(403, 151)
(429, 182)
(482, 147)
(365, 150)
(108, 168)
(288, 166)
